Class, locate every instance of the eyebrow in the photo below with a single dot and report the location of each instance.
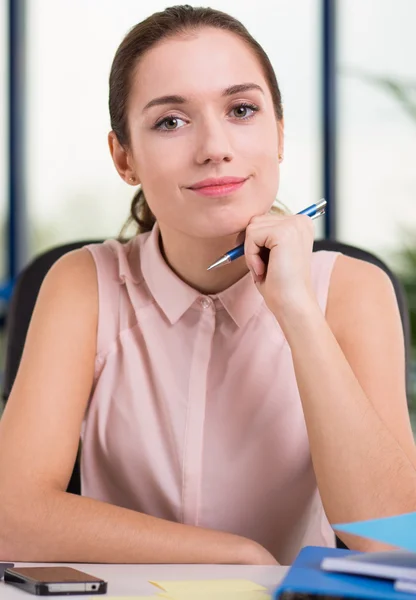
(229, 91)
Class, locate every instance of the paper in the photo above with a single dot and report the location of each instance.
(397, 531)
(230, 595)
(208, 586)
(401, 585)
(211, 589)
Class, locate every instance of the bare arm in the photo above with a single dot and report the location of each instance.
(350, 373)
(39, 436)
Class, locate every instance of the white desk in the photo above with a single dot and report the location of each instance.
(133, 580)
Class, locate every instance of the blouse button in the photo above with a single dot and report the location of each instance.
(205, 302)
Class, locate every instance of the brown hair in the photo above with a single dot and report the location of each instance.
(173, 21)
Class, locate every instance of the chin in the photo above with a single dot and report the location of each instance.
(219, 228)
(219, 221)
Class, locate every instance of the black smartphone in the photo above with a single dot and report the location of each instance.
(3, 567)
(54, 581)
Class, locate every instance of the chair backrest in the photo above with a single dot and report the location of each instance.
(30, 280)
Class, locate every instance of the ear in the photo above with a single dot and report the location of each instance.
(122, 160)
(281, 138)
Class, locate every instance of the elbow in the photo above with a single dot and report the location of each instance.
(7, 540)
(18, 523)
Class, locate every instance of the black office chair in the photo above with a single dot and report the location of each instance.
(29, 282)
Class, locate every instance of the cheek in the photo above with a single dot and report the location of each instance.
(268, 174)
(156, 155)
(159, 162)
(264, 151)
(158, 169)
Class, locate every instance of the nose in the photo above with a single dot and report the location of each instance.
(213, 144)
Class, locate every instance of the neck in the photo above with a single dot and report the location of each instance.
(189, 258)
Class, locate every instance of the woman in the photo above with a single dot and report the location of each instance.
(226, 416)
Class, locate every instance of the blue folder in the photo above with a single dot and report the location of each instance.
(398, 530)
(305, 577)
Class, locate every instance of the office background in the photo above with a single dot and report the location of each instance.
(347, 72)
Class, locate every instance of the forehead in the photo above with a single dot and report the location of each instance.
(193, 65)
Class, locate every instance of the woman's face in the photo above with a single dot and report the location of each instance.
(209, 135)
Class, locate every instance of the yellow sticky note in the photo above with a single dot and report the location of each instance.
(230, 595)
(205, 586)
(126, 597)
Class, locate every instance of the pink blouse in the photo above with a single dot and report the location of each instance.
(195, 414)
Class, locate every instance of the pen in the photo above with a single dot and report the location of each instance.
(313, 211)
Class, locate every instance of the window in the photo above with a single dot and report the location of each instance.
(377, 138)
(377, 123)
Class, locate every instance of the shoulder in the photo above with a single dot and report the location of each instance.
(75, 266)
(359, 290)
(71, 282)
(353, 278)
(65, 316)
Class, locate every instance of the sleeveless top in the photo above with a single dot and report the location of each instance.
(195, 414)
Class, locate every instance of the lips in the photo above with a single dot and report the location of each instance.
(212, 182)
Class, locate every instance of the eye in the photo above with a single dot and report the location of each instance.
(246, 105)
(172, 119)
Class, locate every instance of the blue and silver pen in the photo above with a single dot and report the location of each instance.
(313, 211)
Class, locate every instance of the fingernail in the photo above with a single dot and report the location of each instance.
(256, 278)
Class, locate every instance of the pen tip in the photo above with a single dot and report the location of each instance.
(221, 261)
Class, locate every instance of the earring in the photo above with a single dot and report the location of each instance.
(132, 179)
(280, 156)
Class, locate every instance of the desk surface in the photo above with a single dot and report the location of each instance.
(133, 580)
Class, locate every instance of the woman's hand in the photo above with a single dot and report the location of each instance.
(285, 281)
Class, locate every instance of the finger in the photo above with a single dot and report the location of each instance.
(258, 238)
(267, 218)
(241, 237)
